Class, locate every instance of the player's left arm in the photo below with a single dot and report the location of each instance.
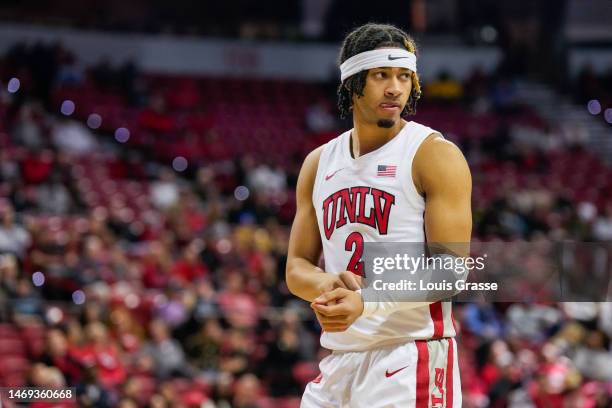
(442, 176)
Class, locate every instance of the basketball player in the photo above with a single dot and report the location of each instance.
(385, 180)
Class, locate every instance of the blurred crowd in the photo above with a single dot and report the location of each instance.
(145, 284)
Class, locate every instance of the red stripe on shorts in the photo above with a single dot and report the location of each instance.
(435, 310)
(453, 320)
(422, 375)
(449, 374)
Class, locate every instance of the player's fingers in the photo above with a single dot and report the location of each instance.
(322, 310)
(332, 319)
(329, 296)
(333, 310)
(331, 285)
(339, 284)
(352, 281)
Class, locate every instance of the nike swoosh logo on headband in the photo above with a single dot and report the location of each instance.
(394, 58)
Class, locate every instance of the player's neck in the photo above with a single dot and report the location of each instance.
(368, 137)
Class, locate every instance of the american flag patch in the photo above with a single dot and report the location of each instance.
(386, 171)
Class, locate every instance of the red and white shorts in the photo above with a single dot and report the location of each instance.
(418, 374)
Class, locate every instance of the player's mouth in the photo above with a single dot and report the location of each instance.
(390, 107)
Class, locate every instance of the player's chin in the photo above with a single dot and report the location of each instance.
(386, 123)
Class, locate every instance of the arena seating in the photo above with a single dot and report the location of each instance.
(116, 264)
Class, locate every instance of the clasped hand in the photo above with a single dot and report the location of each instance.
(339, 305)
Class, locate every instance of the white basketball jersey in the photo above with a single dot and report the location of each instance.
(373, 199)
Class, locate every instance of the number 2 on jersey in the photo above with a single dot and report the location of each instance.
(355, 265)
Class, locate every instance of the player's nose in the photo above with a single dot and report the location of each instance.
(393, 88)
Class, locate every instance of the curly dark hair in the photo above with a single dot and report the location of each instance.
(366, 38)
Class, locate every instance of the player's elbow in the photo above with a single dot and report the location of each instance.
(290, 278)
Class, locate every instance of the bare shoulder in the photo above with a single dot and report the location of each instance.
(436, 148)
(308, 173)
(312, 159)
(311, 162)
(438, 160)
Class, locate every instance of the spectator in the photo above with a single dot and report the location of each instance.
(57, 354)
(156, 265)
(73, 137)
(204, 347)
(482, 320)
(155, 119)
(104, 355)
(167, 353)
(319, 118)
(27, 305)
(602, 227)
(175, 311)
(37, 166)
(189, 268)
(267, 180)
(27, 132)
(9, 274)
(165, 192)
(236, 352)
(239, 307)
(53, 197)
(247, 392)
(283, 355)
(91, 393)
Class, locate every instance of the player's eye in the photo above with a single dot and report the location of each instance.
(380, 74)
(405, 76)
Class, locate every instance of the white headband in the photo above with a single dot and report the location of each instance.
(381, 57)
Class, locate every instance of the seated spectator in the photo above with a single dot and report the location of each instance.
(53, 197)
(189, 268)
(167, 354)
(267, 180)
(73, 137)
(319, 118)
(155, 119)
(9, 276)
(236, 352)
(57, 354)
(165, 192)
(176, 309)
(482, 320)
(602, 227)
(204, 347)
(27, 131)
(37, 166)
(14, 238)
(91, 392)
(283, 354)
(103, 354)
(156, 265)
(28, 304)
(239, 307)
(247, 391)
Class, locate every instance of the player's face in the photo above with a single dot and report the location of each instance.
(385, 94)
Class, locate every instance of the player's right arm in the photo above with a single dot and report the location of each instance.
(304, 278)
